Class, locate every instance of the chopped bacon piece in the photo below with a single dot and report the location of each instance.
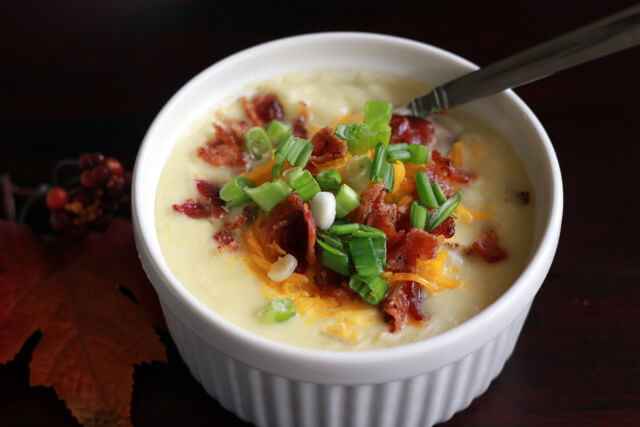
(404, 300)
(286, 224)
(210, 193)
(385, 219)
(488, 248)
(416, 244)
(311, 233)
(192, 209)
(375, 212)
(226, 242)
(300, 122)
(441, 170)
(222, 150)
(263, 108)
(327, 146)
(268, 107)
(239, 128)
(208, 203)
(250, 111)
(410, 129)
(367, 201)
(334, 284)
(447, 228)
(237, 222)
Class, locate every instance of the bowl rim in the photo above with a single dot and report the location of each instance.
(290, 360)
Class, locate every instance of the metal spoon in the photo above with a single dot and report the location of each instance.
(608, 35)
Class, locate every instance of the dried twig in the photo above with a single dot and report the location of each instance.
(8, 202)
(9, 191)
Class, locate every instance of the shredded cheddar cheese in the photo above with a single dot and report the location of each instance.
(411, 277)
(405, 200)
(347, 317)
(438, 272)
(478, 149)
(399, 173)
(337, 164)
(466, 215)
(260, 174)
(457, 155)
(348, 118)
(433, 274)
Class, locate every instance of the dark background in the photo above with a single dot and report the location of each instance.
(90, 76)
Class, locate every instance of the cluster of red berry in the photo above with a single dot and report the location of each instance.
(104, 185)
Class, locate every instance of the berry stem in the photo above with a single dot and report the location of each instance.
(41, 191)
(8, 191)
(55, 181)
(8, 202)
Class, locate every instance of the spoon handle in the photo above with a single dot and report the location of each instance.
(608, 35)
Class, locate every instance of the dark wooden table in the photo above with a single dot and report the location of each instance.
(90, 76)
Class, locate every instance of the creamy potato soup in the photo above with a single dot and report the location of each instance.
(449, 236)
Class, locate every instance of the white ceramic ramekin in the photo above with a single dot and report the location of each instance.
(274, 384)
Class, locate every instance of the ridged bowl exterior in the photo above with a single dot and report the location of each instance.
(273, 384)
(268, 400)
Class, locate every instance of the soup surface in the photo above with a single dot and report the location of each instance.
(461, 281)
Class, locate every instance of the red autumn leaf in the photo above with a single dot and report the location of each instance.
(92, 334)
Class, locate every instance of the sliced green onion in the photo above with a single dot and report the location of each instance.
(419, 154)
(277, 310)
(278, 165)
(329, 180)
(425, 192)
(344, 229)
(380, 168)
(346, 201)
(388, 175)
(375, 232)
(398, 146)
(305, 185)
(292, 174)
(334, 258)
(331, 240)
(350, 133)
(437, 191)
(418, 215)
(296, 150)
(257, 142)
(269, 194)
(381, 133)
(360, 233)
(364, 256)
(287, 146)
(277, 131)
(398, 155)
(429, 215)
(305, 154)
(380, 248)
(233, 191)
(372, 289)
(377, 171)
(356, 173)
(362, 137)
(377, 111)
(444, 211)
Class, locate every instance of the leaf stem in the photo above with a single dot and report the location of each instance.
(55, 181)
(8, 202)
(40, 192)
